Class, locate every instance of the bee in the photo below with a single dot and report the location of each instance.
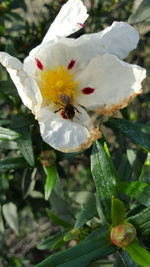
(68, 109)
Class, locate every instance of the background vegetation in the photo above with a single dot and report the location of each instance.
(39, 201)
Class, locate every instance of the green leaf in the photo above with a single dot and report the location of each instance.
(145, 173)
(7, 134)
(11, 216)
(132, 131)
(57, 219)
(2, 228)
(8, 88)
(141, 221)
(25, 145)
(86, 213)
(142, 13)
(137, 190)
(8, 145)
(13, 163)
(144, 127)
(51, 241)
(117, 211)
(126, 260)
(104, 177)
(139, 254)
(28, 181)
(124, 169)
(82, 254)
(22, 120)
(51, 178)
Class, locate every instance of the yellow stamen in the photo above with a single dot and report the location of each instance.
(55, 82)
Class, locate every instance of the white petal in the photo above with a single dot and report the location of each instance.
(68, 20)
(26, 86)
(65, 135)
(118, 39)
(115, 83)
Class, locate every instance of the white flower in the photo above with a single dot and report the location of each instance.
(63, 76)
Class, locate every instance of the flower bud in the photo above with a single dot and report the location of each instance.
(48, 158)
(122, 235)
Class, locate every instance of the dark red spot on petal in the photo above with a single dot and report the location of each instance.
(62, 113)
(88, 90)
(39, 64)
(81, 24)
(71, 64)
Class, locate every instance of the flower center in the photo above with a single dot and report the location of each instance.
(57, 81)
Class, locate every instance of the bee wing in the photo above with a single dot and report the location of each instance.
(65, 98)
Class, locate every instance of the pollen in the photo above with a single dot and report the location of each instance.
(57, 81)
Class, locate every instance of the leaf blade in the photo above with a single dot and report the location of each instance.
(51, 179)
(137, 190)
(83, 253)
(132, 131)
(104, 178)
(7, 134)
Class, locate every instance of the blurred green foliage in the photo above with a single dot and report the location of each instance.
(38, 208)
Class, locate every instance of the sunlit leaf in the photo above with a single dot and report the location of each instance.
(142, 13)
(8, 145)
(117, 211)
(51, 177)
(28, 181)
(11, 216)
(139, 254)
(7, 134)
(137, 190)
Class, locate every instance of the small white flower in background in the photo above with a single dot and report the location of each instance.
(62, 76)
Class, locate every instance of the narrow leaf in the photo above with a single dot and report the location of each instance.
(137, 190)
(126, 260)
(132, 131)
(145, 173)
(117, 212)
(57, 219)
(51, 241)
(51, 178)
(22, 120)
(80, 255)
(2, 228)
(86, 213)
(141, 221)
(139, 254)
(13, 163)
(142, 13)
(28, 181)
(104, 177)
(25, 145)
(11, 216)
(7, 134)
(8, 88)
(8, 145)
